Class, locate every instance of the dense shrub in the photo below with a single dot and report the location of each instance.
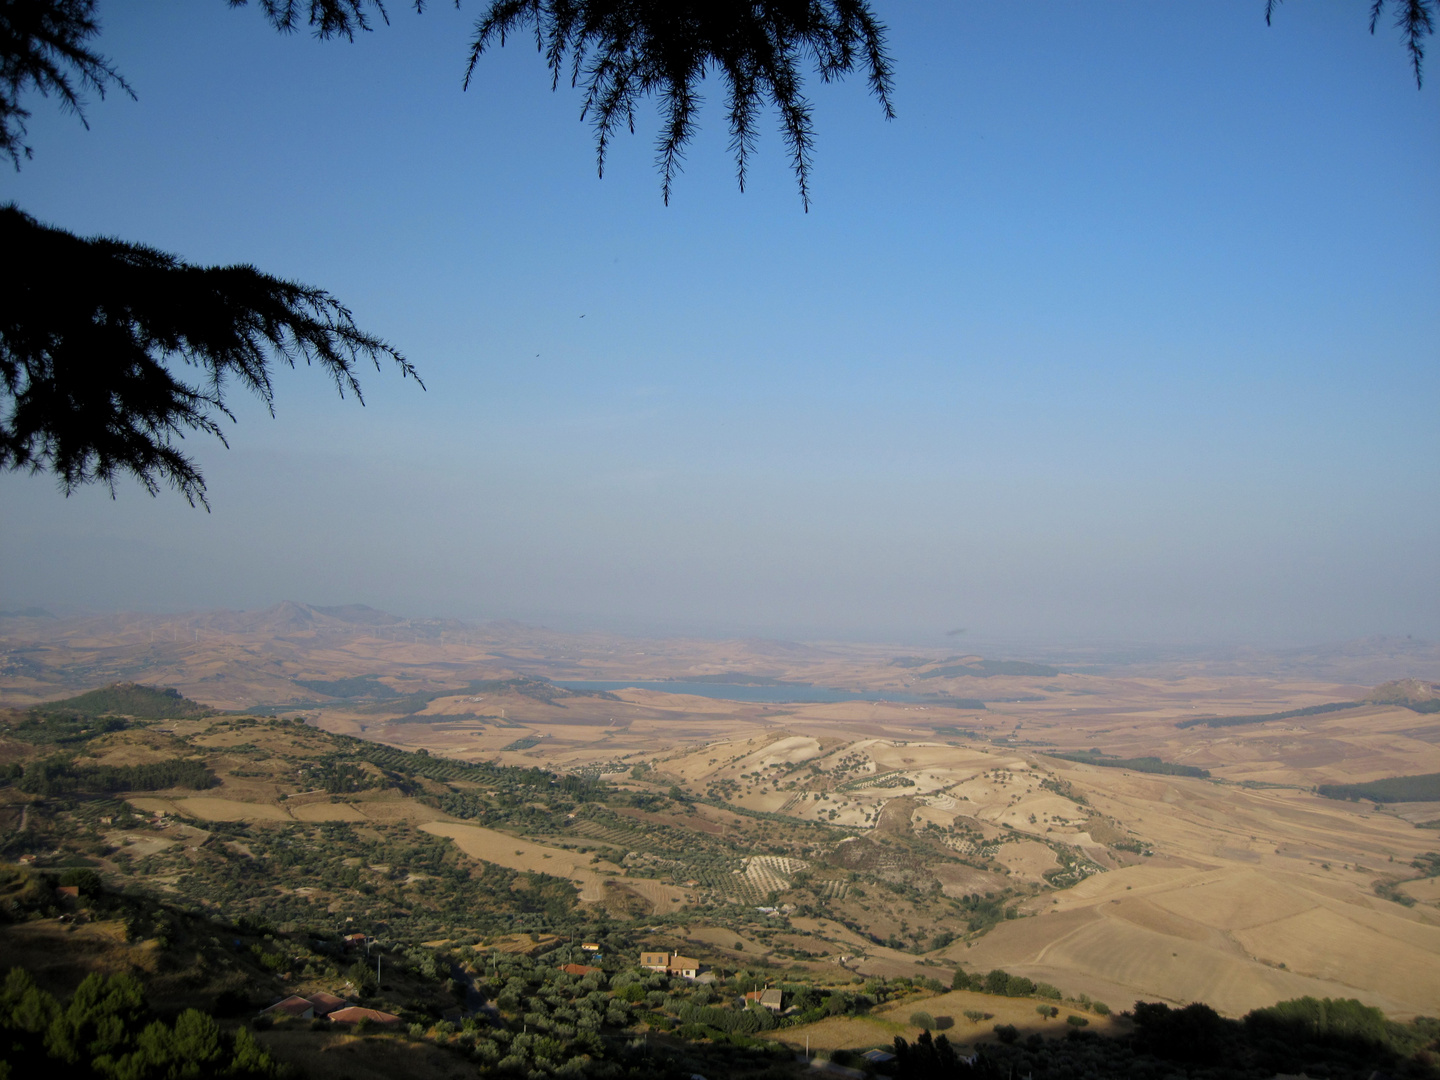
(106, 1030)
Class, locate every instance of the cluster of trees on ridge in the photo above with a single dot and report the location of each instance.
(1137, 764)
(1422, 788)
(1261, 718)
(130, 699)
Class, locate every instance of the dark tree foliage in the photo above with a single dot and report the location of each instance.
(48, 726)
(43, 48)
(1261, 718)
(325, 18)
(1423, 788)
(61, 776)
(105, 1030)
(1415, 19)
(1196, 1033)
(626, 50)
(623, 51)
(91, 332)
(1139, 764)
(930, 1058)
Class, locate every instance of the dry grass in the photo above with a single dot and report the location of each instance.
(1427, 890)
(209, 808)
(508, 851)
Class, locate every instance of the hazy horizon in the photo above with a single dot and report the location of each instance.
(937, 644)
(1123, 331)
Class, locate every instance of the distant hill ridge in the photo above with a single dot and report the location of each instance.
(1416, 694)
(974, 667)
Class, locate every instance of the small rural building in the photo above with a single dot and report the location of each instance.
(354, 941)
(687, 967)
(294, 1005)
(590, 946)
(578, 969)
(353, 1014)
(769, 999)
(325, 1004)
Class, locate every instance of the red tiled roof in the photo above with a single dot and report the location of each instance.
(326, 1003)
(577, 969)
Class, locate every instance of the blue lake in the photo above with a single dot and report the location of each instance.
(787, 693)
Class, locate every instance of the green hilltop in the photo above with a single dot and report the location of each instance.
(130, 699)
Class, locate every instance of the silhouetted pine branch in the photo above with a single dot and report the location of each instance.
(42, 48)
(626, 50)
(326, 18)
(1415, 19)
(92, 330)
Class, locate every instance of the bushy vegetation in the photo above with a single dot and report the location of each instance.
(417, 883)
(63, 728)
(62, 776)
(1003, 984)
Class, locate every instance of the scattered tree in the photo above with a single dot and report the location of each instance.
(922, 1020)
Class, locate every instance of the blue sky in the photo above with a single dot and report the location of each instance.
(1124, 329)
